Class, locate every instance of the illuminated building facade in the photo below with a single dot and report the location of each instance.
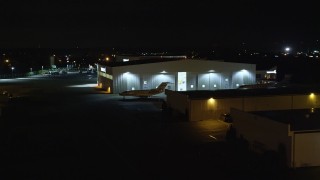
(184, 75)
(266, 76)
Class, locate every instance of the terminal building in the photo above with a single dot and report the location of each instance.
(183, 75)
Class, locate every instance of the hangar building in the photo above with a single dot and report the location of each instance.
(184, 75)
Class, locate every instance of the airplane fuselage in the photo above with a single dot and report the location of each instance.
(145, 93)
(139, 93)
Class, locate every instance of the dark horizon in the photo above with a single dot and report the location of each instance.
(140, 25)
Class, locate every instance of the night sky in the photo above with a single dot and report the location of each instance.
(103, 23)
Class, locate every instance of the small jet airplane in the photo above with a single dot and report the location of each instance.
(146, 93)
(258, 86)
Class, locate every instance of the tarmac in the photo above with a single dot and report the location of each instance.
(64, 127)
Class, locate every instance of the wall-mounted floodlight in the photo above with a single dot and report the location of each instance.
(312, 96)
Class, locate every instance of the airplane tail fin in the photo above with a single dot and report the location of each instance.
(162, 86)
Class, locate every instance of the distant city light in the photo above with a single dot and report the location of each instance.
(272, 72)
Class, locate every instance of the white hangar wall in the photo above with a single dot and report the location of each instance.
(184, 75)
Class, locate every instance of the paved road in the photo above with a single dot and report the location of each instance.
(65, 128)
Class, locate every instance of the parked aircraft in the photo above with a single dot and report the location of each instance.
(258, 86)
(268, 85)
(146, 93)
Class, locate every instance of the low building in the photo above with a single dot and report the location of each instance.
(204, 105)
(293, 133)
(283, 119)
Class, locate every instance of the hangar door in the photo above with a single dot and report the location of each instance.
(306, 150)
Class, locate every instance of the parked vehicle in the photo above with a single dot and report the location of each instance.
(226, 117)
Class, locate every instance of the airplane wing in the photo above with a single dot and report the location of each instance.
(137, 93)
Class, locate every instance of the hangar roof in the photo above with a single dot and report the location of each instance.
(237, 93)
(142, 61)
(157, 60)
(181, 65)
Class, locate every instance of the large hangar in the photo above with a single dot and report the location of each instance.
(184, 75)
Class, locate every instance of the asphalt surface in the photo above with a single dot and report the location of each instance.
(64, 127)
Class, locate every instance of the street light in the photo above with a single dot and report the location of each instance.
(12, 68)
(287, 49)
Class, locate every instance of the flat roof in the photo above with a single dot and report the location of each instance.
(299, 119)
(157, 60)
(142, 61)
(237, 93)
